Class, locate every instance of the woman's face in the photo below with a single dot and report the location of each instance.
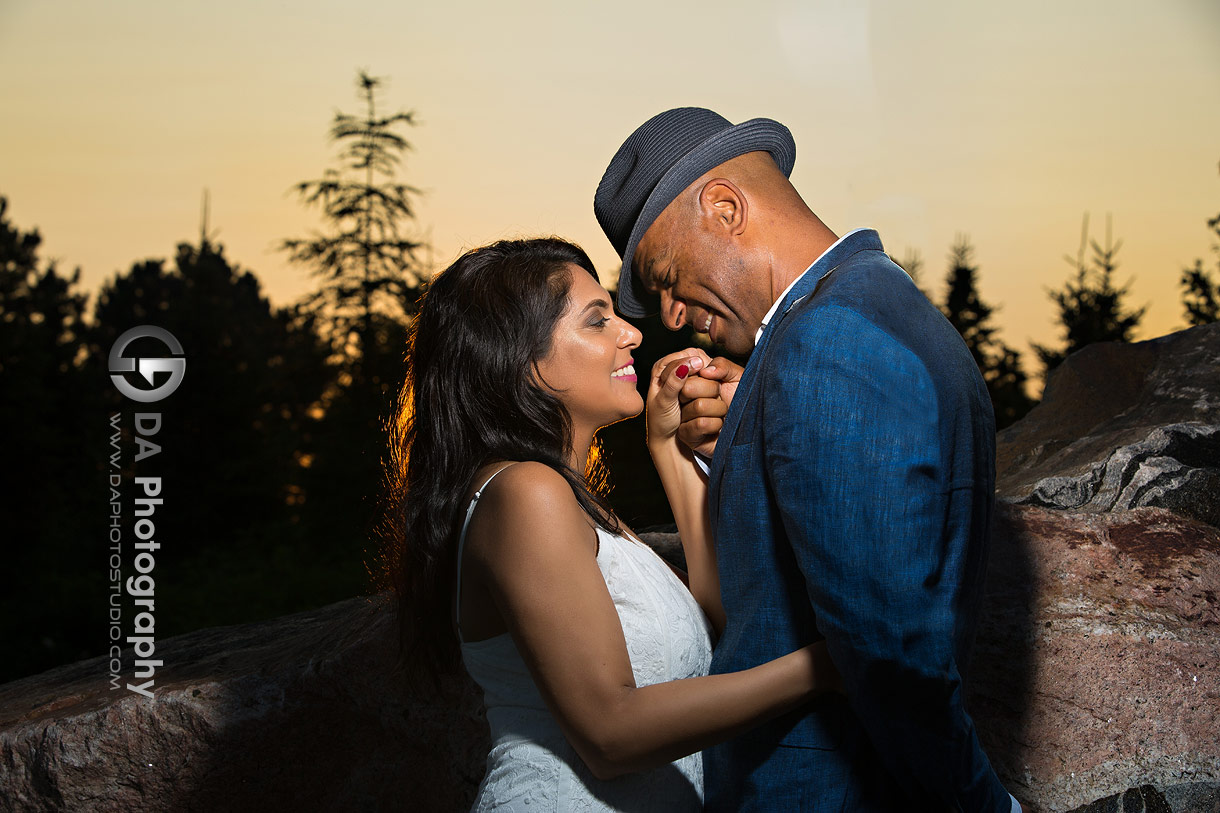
(589, 367)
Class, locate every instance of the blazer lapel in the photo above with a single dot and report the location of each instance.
(745, 390)
(807, 285)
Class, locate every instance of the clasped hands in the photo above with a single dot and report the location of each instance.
(689, 394)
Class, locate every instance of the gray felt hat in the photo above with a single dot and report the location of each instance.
(660, 159)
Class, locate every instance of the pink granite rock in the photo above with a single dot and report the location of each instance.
(1096, 663)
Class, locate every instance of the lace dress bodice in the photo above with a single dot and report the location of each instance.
(531, 765)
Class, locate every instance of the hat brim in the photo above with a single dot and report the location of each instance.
(749, 136)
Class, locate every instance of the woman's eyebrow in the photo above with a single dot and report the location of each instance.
(596, 303)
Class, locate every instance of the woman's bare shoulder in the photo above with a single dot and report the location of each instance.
(528, 503)
(529, 481)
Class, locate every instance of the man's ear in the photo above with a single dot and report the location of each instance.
(723, 206)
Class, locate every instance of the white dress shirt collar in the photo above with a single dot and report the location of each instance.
(775, 305)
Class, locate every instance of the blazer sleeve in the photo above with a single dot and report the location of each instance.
(852, 450)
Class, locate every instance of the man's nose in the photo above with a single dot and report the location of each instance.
(673, 311)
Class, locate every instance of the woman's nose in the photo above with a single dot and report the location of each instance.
(629, 336)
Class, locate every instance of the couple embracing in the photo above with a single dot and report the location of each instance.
(833, 499)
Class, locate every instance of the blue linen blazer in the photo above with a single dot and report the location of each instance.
(851, 494)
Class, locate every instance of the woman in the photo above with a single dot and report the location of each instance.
(592, 653)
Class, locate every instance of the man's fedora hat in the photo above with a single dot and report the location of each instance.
(660, 159)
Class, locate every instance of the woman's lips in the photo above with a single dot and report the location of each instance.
(626, 372)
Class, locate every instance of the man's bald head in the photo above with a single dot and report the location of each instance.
(749, 187)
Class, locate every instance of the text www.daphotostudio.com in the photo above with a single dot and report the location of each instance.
(147, 490)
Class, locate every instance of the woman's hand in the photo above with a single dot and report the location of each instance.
(820, 671)
(684, 482)
(664, 409)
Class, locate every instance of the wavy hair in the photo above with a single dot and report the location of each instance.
(471, 396)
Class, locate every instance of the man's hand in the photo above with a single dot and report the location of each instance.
(705, 400)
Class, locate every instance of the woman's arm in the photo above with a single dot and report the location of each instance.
(685, 484)
(531, 546)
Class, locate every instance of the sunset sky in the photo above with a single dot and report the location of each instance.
(1005, 123)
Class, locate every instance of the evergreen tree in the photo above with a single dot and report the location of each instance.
(365, 260)
(912, 263)
(370, 283)
(1201, 293)
(1091, 308)
(963, 307)
(52, 430)
(971, 316)
(1007, 384)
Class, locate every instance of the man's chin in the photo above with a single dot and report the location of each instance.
(733, 341)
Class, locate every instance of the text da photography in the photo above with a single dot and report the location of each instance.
(136, 498)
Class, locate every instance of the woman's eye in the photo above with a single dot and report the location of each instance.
(600, 322)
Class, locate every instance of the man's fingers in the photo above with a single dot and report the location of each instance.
(721, 369)
(697, 432)
(704, 408)
(670, 399)
(697, 387)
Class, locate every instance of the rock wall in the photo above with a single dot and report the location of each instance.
(1095, 666)
(306, 712)
(1094, 681)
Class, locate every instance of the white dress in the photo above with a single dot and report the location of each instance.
(531, 766)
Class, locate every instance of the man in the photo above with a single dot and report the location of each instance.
(852, 473)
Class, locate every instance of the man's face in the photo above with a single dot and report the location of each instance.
(702, 280)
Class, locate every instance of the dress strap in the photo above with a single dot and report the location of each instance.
(457, 600)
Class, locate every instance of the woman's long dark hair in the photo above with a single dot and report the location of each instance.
(471, 397)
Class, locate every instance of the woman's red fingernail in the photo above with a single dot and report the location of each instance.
(682, 370)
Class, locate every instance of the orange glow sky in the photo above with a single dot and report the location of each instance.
(923, 120)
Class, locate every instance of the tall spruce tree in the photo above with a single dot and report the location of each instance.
(963, 307)
(999, 364)
(912, 263)
(364, 256)
(1201, 293)
(1091, 309)
(370, 282)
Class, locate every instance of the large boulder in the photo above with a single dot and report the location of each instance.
(306, 712)
(1122, 426)
(1094, 683)
(1095, 664)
